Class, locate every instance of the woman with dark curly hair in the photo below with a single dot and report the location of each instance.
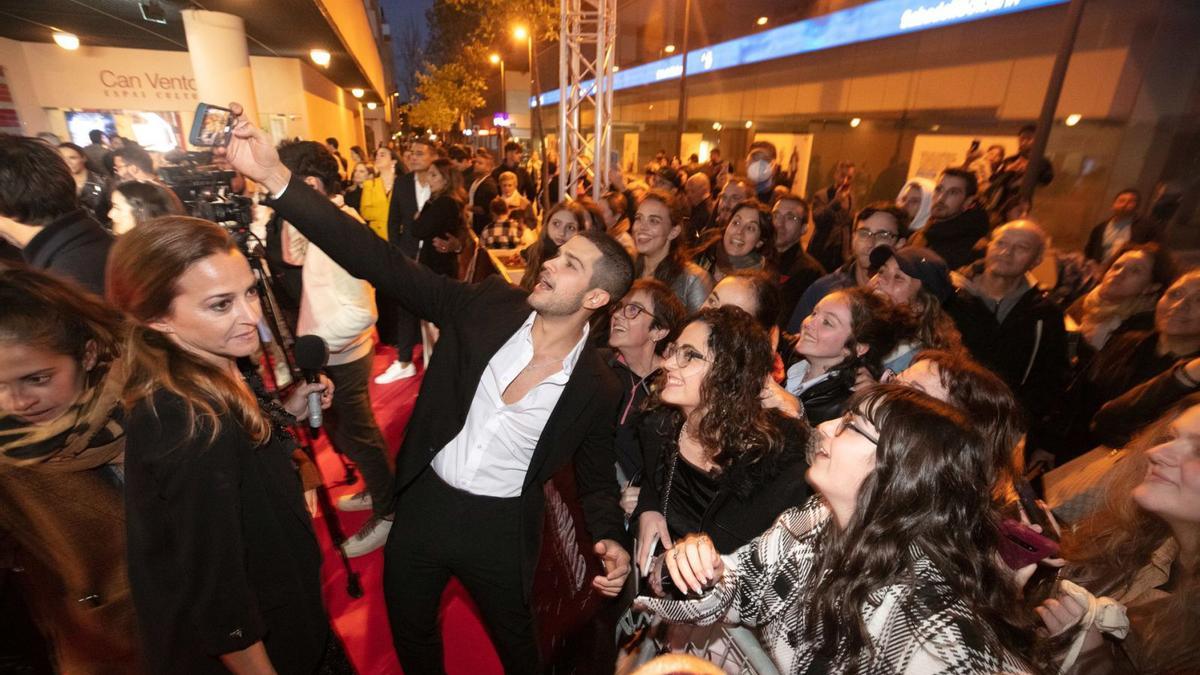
(747, 242)
(891, 568)
(715, 459)
(848, 331)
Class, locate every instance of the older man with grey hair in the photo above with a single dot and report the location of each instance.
(1010, 325)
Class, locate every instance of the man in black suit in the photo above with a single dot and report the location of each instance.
(40, 214)
(397, 326)
(514, 393)
(1123, 227)
(482, 189)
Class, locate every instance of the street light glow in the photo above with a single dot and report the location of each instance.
(494, 58)
(670, 49)
(357, 92)
(762, 21)
(521, 32)
(716, 126)
(68, 41)
(855, 121)
(1073, 119)
(320, 57)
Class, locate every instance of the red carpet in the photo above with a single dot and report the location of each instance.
(363, 623)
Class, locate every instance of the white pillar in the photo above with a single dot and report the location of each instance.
(220, 59)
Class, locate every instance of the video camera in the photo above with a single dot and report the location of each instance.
(206, 190)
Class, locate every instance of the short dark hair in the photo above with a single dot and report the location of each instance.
(36, 187)
(513, 146)
(693, 157)
(485, 153)
(766, 146)
(457, 153)
(498, 207)
(766, 295)
(898, 214)
(1027, 129)
(149, 200)
(332, 142)
(137, 156)
(714, 151)
(968, 177)
(614, 270)
(1137, 194)
(669, 311)
(310, 158)
(96, 135)
(793, 197)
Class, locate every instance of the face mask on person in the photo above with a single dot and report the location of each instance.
(759, 171)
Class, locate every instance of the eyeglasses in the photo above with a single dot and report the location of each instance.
(631, 311)
(847, 422)
(876, 235)
(683, 356)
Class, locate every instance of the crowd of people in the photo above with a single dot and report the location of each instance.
(821, 424)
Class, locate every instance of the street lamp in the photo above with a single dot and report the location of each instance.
(682, 122)
(497, 60)
(524, 33)
(521, 33)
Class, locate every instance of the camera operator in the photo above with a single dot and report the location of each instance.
(41, 216)
(341, 310)
(224, 565)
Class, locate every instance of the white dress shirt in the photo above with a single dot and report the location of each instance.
(423, 193)
(490, 455)
(795, 383)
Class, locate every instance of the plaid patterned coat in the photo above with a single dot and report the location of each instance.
(916, 628)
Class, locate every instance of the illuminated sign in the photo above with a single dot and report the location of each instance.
(869, 21)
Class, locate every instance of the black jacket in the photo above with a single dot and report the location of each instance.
(442, 215)
(73, 246)
(954, 238)
(402, 213)
(1118, 420)
(1141, 231)
(1028, 350)
(750, 497)
(222, 551)
(832, 222)
(797, 271)
(475, 321)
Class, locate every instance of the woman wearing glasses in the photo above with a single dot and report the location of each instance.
(640, 326)
(716, 460)
(880, 224)
(891, 568)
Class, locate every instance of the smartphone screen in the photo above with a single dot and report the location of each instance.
(1029, 504)
(212, 126)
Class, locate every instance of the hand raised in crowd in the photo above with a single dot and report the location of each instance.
(651, 525)
(694, 563)
(251, 153)
(297, 400)
(616, 567)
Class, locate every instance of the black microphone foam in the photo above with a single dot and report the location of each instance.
(311, 352)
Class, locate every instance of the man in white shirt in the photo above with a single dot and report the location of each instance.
(514, 394)
(341, 310)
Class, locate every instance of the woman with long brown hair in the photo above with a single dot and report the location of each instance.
(660, 236)
(62, 441)
(891, 568)
(1141, 547)
(442, 217)
(223, 561)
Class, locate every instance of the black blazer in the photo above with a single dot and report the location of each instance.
(402, 213)
(480, 210)
(74, 246)
(475, 321)
(222, 552)
(1142, 230)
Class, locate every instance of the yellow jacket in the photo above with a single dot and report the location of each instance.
(374, 206)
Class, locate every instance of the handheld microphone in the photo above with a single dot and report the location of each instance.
(311, 355)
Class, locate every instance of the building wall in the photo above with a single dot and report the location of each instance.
(20, 85)
(330, 109)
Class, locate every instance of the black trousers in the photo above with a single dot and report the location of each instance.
(441, 531)
(398, 327)
(355, 432)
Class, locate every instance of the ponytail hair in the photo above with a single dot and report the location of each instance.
(144, 270)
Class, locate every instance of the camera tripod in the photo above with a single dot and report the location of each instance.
(277, 343)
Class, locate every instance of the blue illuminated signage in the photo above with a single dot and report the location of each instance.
(870, 21)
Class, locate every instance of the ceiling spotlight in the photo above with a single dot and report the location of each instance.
(371, 105)
(936, 127)
(749, 124)
(320, 57)
(358, 93)
(716, 126)
(762, 21)
(856, 121)
(1073, 119)
(153, 12)
(670, 49)
(69, 41)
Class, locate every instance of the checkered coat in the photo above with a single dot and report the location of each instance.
(916, 627)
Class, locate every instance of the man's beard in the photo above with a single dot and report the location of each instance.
(558, 306)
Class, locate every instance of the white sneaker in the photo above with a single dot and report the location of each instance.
(395, 372)
(359, 501)
(374, 533)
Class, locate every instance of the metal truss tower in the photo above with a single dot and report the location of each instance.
(586, 56)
